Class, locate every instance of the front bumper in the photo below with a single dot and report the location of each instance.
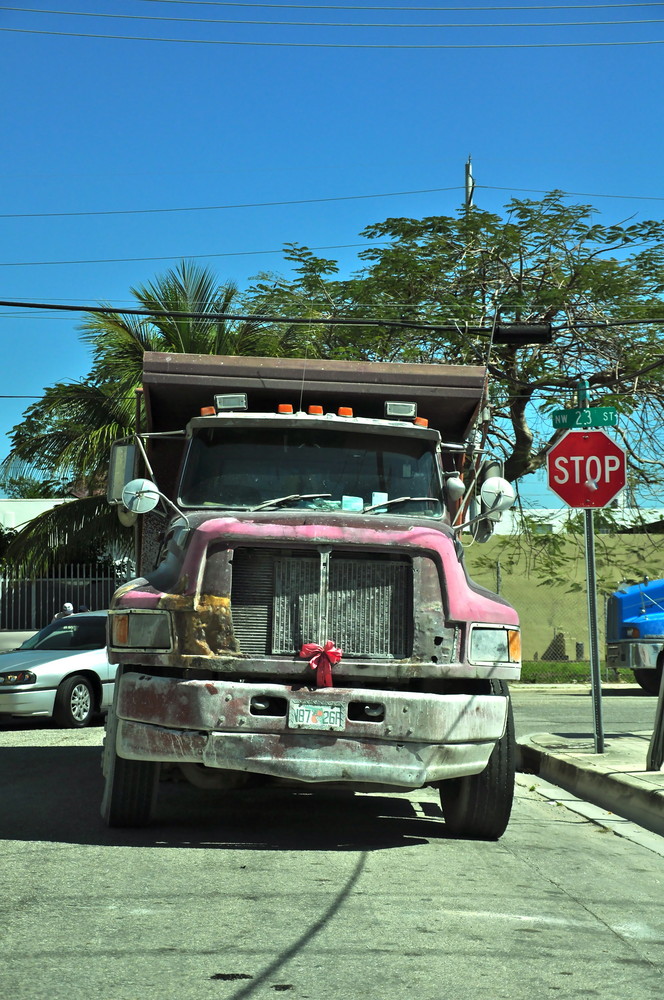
(634, 654)
(25, 701)
(422, 738)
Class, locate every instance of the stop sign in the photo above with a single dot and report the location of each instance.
(586, 468)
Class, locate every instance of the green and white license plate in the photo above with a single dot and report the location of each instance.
(304, 716)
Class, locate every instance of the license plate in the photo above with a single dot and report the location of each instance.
(304, 716)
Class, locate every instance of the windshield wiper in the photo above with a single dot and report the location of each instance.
(294, 496)
(388, 503)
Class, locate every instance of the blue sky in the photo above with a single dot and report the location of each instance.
(101, 124)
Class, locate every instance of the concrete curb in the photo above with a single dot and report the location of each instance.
(615, 780)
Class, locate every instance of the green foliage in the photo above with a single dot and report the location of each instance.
(77, 531)
(566, 672)
(32, 488)
(68, 434)
(6, 536)
(546, 555)
(543, 261)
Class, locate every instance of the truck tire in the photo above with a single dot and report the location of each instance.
(650, 680)
(74, 703)
(478, 806)
(130, 791)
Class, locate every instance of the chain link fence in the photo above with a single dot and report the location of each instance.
(551, 596)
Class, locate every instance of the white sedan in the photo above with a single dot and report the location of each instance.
(62, 671)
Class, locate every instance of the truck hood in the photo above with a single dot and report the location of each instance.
(345, 519)
(466, 601)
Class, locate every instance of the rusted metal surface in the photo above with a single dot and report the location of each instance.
(305, 757)
(221, 705)
(204, 635)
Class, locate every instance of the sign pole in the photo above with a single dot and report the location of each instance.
(591, 584)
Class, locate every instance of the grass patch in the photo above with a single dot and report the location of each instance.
(566, 672)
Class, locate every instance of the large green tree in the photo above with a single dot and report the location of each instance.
(543, 261)
(68, 433)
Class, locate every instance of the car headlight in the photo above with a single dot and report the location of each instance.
(140, 630)
(18, 677)
(495, 645)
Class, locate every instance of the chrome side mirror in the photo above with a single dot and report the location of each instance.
(140, 496)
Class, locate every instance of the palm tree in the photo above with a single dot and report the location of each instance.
(68, 433)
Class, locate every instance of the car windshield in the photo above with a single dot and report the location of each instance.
(74, 634)
(244, 467)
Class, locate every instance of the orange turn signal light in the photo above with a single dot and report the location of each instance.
(345, 411)
(285, 408)
(315, 409)
(208, 411)
(421, 421)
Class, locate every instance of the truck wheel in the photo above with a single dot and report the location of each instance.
(130, 791)
(74, 703)
(650, 680)
(479, 805)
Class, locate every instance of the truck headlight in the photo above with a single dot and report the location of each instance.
(140, 630)
(18, 677)
(495, 645)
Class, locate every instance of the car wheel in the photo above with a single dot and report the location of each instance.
(650, 680)
(74, 703)
(479, 805)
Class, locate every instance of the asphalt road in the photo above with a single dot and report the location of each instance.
(569, 710)
(320, 896)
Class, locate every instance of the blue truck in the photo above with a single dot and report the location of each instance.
(635, 632)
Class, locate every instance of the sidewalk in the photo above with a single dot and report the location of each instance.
(615, 780)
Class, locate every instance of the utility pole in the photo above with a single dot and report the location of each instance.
(470, 184)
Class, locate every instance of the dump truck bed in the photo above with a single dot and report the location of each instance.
(176, 386)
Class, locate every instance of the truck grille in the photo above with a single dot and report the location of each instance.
(281, 600)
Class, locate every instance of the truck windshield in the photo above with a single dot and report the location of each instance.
(242, 467)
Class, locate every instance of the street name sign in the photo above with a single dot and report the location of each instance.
(586, 469)
(592, 416)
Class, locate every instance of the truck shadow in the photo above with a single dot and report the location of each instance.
(54, 794)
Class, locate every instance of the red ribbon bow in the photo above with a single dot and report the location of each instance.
(322, 659)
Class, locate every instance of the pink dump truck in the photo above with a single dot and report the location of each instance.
(303, 612)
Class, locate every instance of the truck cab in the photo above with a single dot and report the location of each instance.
(635, 632)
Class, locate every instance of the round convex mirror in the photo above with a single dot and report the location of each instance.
(140, 496)
(497, 495)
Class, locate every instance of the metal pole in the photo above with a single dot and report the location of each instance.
(655, 757)
(470, 184)
(591, 582)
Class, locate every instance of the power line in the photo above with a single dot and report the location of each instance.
(461, 328)
(572, 194)
(308, 6)
(314, 201)
(219, 208)
(337, 45)
(178, 256)
(331, 24)
(456, 327)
